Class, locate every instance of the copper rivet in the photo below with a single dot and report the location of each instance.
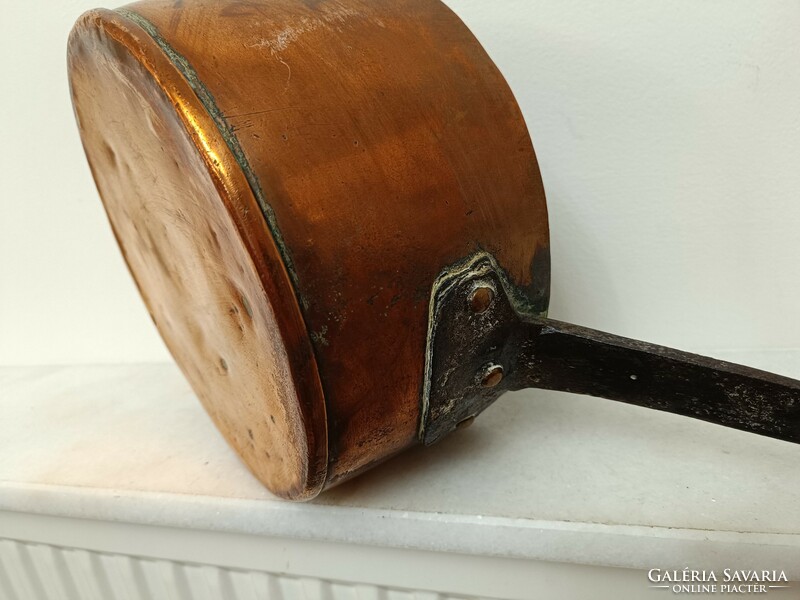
(480, 299)
(492, 376)
(464, 423)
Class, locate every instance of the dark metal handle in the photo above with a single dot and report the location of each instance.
(560, 356)
(483, 341)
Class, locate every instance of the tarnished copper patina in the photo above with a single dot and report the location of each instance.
(334, 214)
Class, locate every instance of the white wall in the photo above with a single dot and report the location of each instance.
(668, 135)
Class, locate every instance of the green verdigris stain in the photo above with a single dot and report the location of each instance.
(318, 337)
(226, 131)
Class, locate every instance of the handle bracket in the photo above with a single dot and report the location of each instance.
(482, 344)
(466, 343)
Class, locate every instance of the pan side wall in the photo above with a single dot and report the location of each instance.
(386, 146)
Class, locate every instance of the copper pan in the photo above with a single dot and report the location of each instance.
(334, 214)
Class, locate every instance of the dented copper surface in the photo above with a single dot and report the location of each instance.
(334, 214)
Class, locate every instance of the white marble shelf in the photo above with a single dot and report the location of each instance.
(541, 476)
